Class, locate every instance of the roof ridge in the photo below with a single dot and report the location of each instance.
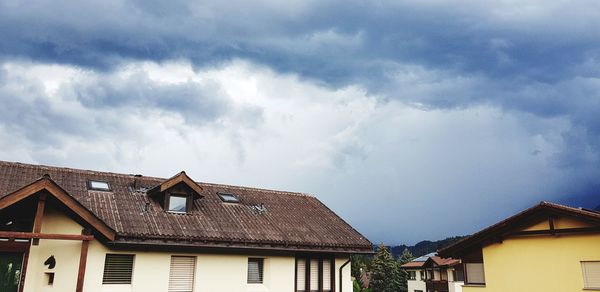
(258, 189)
(71, 169)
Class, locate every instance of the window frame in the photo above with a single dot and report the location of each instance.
(92, 188)
(307, 279)
(235, 200)
(195, 259)
(466, 274)
(178, 195)
(261, 271)
(106, 256)
(584, 275)
(412, 275)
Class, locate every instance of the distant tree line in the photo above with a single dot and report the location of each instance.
(382, 272)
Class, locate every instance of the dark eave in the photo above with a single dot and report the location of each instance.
(498, 231)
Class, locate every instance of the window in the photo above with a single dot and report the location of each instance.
(591, 274)
(177, 204)
(412, 275)
(314, 274)
(228, 198)
(300, 275)
(475, 273)
(255, 270)
(422, 273)
(97, 185)
(118, 269)
(181, 275)
(326, 278)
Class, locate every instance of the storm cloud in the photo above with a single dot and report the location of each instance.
(383, 109)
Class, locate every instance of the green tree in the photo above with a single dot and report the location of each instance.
(386, 274)
(359, 264)
(404, 258)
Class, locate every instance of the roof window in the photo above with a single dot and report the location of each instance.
(228, 198)
(98, 185)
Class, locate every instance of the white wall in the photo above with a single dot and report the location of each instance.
(416, 284)
(214, 272)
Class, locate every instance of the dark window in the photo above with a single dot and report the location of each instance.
(98, 185)
(422, 273)
(177, 204)
(255, 270)
(228, 198)
(118, 269)
(412, 275)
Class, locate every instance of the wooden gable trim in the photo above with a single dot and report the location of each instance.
(541, 212)
(48, 185)
(181, 177)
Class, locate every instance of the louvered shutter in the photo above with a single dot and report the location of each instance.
(255, 271)
(591, 274)
(326, 275)
(181, 275)
(118, 269)
(301, 275)
(314, 275)
(475, 274)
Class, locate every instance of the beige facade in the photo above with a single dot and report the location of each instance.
(213, 272)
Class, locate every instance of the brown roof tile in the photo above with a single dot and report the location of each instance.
(291, 220)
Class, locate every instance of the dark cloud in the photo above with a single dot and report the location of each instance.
(533, 59)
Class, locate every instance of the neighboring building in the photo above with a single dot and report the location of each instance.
(65, 230)
(431, 273)
(547, 248)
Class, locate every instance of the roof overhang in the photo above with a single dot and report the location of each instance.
(181, 177)
(502, 229)
(48, 185)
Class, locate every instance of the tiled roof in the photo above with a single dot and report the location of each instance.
(421, 261)
(413, 265)
(291, 220)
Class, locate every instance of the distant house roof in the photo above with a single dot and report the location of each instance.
(421, 261)
(284, 220)
(503, 228)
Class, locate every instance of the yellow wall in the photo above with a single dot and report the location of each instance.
(214, 273)
(538, 263)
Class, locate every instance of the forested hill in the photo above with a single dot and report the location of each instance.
(426, 246)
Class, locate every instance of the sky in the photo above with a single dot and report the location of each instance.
(412, 120)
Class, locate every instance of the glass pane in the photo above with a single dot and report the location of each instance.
(177, 204)
(99, 185)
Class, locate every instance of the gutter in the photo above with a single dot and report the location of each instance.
(341, 275)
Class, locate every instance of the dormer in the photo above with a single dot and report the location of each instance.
(177, 194)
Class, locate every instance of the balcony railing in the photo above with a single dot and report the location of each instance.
(441, 285)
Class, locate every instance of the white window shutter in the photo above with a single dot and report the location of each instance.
(314, 275)
(591, 274)
(326, 275)
(301, 275)
(181, 276)
(475, 273)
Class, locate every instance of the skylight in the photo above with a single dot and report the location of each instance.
(228, 198)
(98, 185)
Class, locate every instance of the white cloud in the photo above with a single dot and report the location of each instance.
(380, 164)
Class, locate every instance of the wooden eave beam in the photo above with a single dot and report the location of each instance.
(39, 214)
(27, 235)
(61, 195)
(557, 231)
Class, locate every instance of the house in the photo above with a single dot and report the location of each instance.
(546, 248)
(431, 273)
(65, 229)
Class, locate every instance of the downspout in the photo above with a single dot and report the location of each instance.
(342, 277)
